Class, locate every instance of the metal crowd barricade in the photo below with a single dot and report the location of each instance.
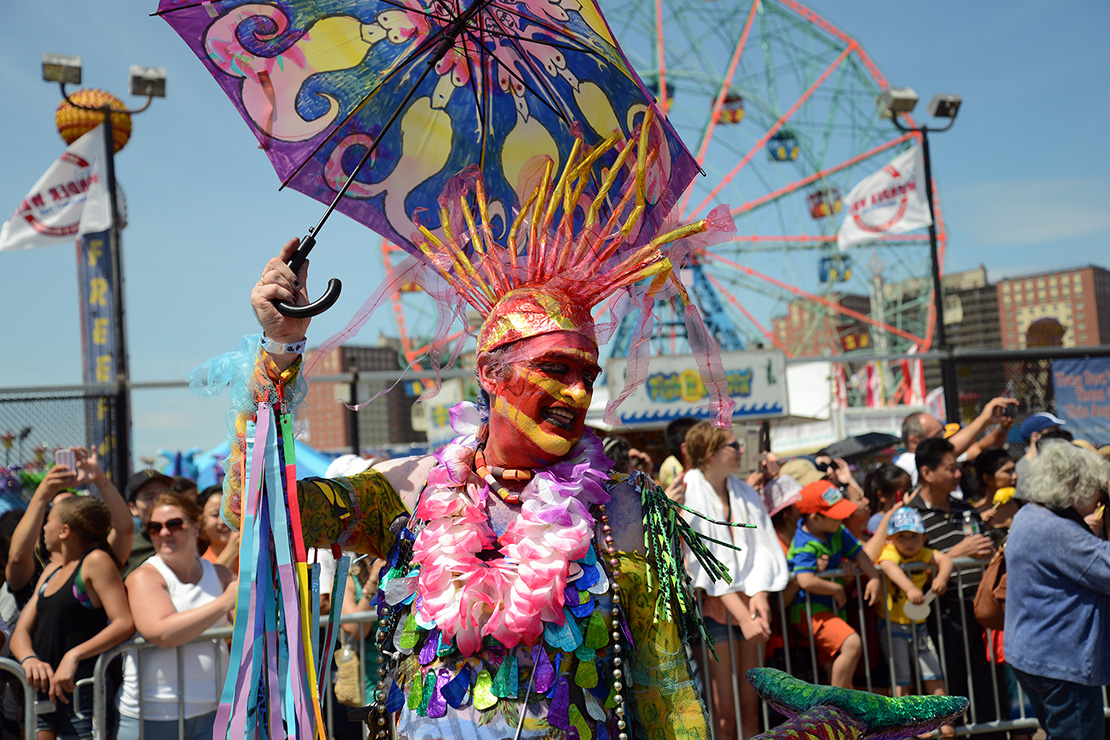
(99, 685)
(30, 705)
(794, 657)
(798, 656)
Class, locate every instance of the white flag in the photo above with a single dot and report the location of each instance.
(891, 201)
(54, 211)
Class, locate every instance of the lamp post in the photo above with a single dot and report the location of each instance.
(891, 103)
(150, 81)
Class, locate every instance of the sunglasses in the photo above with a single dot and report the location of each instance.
(173, 525)
(736, 445)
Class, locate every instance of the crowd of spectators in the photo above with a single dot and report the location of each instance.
(158, 562)
(913, 540)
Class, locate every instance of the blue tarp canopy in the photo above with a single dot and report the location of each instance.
(309, 462)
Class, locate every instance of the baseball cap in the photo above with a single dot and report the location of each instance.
(801, 470)
(140, 479)
(822, 497)
(780, 493)
(905, 520)
(1038, 423)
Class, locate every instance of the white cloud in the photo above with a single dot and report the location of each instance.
(1040, 211)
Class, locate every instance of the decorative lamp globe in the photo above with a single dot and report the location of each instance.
(74, 122)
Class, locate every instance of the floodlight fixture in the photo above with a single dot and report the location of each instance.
(944, 106)
(890, 103)
(64, 68)
(149, 81)
(894, 100)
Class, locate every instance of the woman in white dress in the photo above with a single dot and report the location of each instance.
(757, 569)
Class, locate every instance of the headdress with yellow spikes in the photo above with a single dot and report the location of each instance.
(573, 244)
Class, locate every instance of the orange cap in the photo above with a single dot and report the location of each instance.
(822, 497)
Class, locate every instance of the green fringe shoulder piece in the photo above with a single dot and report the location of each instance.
(665, 532)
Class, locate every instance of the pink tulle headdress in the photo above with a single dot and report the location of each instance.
(578, 248)
(574, 245)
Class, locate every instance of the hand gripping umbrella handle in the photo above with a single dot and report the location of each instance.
(321, 304)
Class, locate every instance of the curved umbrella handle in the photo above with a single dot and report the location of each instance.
(321, 304)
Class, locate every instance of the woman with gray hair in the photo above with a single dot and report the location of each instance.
(1058, 596)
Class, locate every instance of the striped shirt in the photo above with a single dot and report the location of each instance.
(943, 531)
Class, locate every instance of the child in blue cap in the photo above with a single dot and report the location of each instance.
(905, 545)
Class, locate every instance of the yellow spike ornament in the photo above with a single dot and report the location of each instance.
(572, 260)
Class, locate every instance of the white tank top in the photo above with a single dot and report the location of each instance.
(204, 664)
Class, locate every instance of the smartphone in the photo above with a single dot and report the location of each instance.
(66, 458)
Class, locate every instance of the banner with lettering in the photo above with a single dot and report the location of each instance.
(673, 389)
(1082, 389)
(891, 201)
(71, 198)
(98, 317)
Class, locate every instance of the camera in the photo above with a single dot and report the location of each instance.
(1010, 410)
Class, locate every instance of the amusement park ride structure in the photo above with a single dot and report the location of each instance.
(778, 106)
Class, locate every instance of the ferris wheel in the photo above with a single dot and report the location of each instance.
(778, 105)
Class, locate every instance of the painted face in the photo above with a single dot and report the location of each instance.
(908, 544)
(538, 402)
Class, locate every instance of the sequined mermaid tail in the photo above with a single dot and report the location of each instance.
(843, 714)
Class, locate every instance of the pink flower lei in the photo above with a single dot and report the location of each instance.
(509, 598)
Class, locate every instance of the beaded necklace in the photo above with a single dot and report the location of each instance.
(491, 474)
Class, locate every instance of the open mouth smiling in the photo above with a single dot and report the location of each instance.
(561, 417)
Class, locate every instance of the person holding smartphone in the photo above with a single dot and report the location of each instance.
(25, 563)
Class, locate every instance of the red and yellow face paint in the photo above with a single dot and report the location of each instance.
(538, 401)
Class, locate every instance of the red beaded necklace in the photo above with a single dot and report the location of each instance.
(491, 474)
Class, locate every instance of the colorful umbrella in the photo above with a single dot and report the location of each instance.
(417, 90)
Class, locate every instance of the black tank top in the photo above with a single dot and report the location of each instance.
(64, 623)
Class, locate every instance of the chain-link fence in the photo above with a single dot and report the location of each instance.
(33, 423)
(1026, 375)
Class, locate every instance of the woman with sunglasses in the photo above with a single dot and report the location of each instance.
(758, 567)
(175, 596)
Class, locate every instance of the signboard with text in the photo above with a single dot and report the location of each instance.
(1082, 390)
(98, 306)
(674, 389)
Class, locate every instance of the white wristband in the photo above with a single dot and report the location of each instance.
(283, 348)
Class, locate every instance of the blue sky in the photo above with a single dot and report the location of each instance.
(1023, 176)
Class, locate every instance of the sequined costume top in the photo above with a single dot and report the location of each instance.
(551, 618)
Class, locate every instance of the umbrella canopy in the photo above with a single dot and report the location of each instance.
(431, 87)
(861, 444)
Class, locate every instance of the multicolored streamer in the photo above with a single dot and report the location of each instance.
(278, 671)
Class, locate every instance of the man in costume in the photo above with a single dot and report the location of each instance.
(521, 596)
(529, 591)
